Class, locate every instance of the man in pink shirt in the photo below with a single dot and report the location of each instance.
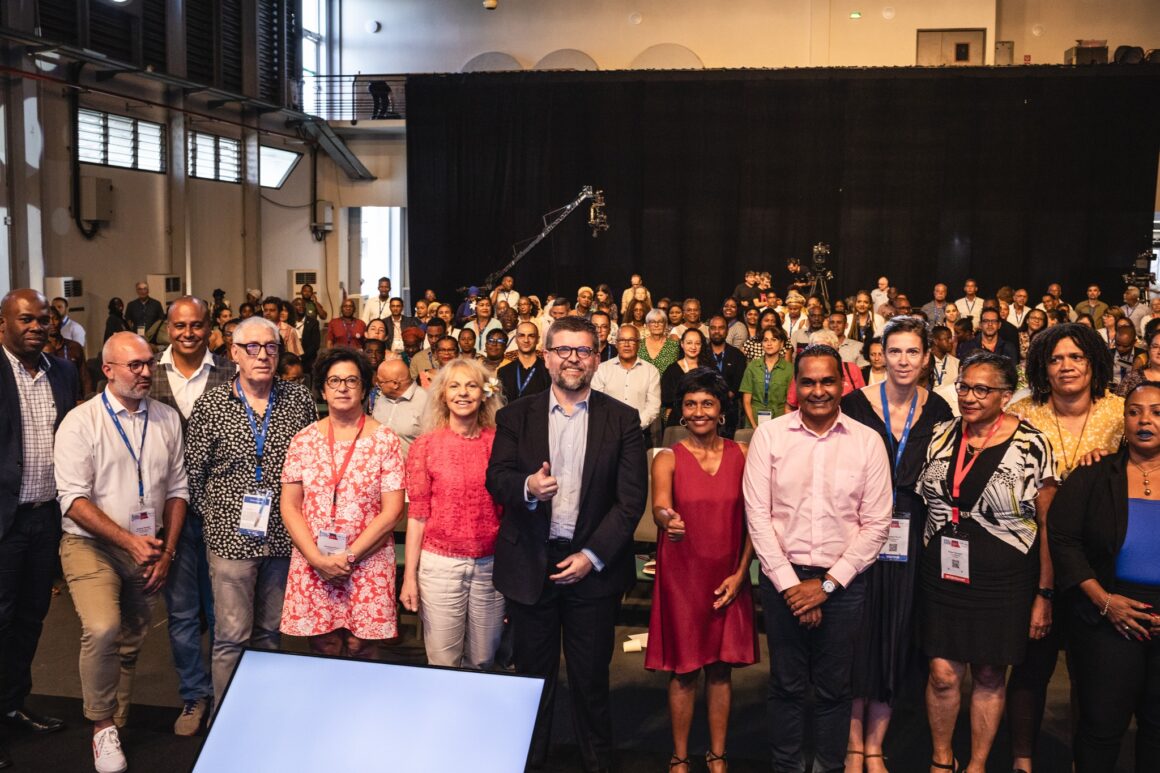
(818, 503)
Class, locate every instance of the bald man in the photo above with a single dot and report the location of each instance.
(397, 402)
(35, 394)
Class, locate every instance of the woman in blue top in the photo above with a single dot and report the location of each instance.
(1104, 537)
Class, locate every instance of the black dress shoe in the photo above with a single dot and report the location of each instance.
(5, 757)
(32, 722)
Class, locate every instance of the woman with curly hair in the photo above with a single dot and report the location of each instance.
(453, 521)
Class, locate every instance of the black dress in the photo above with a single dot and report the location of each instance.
(885, 655)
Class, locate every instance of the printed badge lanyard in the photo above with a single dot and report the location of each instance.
(132, 453)
(342, 470)
(890, 434)
(522, 385)
(961, 470)
(259, 436)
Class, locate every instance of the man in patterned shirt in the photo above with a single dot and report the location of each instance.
(235, 445)
(35, 394)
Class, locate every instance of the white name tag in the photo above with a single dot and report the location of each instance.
(955, 553)
(255, 519)
(143, 522)
(897, 545)
(764, 416)
(331, 543)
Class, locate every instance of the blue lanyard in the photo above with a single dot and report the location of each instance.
(768, 377)
(125, 438)
(940, 374)
(259, 437)
(720, 360)
(521, 385)
(374, 396)
(890, 432)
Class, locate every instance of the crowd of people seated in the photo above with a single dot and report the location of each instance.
(958, 485)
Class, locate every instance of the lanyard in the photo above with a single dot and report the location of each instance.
(374, 396)
(259, 436)
(522, 384)
(768, 377)
(940, 373)
(890, 432)
(720, 360)
(961, 470)
(362, 420)
(125, 438)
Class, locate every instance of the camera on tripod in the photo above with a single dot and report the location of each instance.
(1141, 274)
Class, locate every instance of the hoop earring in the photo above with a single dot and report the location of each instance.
(682, 422)
(721, 420)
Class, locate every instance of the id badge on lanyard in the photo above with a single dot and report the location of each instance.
(954, 548)
(255, 517)
(897, 545)
(331, 543)
(143, 522)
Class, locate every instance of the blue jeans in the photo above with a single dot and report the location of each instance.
(187, 595)
(822, 657)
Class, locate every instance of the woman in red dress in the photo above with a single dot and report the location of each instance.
(342, 494)
(702, 612)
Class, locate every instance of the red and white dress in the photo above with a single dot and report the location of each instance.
(365, 603)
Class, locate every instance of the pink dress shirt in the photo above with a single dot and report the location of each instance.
(817, 500)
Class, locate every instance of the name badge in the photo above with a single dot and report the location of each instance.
(141, 331)
(897, 545)
(255, 519)
(143, 522)
(331, 543)
(956, 554)
(763, 416)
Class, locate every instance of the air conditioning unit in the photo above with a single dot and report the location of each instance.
(302, 276)
(70, 288)
(165, 287)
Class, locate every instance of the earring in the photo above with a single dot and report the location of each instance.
(682, 422)
(721, 420)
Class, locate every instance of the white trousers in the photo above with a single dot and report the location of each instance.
(461, 611)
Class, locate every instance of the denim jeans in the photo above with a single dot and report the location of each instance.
(187, 595)
(248, 595)
(822, 657)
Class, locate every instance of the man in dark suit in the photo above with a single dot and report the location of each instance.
(568, 465)
(144, 314)
(35, 393)
(184, 372)
(730, 363)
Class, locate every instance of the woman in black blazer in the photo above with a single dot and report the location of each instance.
(1105, 542)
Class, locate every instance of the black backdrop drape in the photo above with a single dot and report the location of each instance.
(1011, 175)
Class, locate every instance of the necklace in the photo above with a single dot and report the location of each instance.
(1145, 473)
(1067, 461)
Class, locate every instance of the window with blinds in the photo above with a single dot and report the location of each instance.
(117, 140)
(215, 158)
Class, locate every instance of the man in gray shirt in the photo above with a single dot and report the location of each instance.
(398, 402)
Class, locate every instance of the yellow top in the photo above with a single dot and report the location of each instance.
(1104, 430)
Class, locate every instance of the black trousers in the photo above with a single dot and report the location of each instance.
(587, 629)
(28, 567)
(1114, 678)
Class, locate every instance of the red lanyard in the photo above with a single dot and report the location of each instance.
(961, 470)
(342, 470)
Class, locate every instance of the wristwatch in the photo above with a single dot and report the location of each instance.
(829, 586)
(351, 559)
(1047, 593)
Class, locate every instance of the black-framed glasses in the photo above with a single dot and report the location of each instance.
(350, 382)
(255, 349)
(566, 352)
(980, 391)
(136, 366)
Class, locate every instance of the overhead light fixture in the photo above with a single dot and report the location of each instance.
(855, 14)
(490, 4)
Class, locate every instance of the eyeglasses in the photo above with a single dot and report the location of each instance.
(350, 382)
(980, 391)
(628, 341)
(988, 322)
(255, 349)
(565, 352)
(500, 341)
(136, 366)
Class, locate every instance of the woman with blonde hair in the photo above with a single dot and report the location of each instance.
(453, 523)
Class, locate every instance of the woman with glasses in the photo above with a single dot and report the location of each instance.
(988, 482)
(342, 494)
(754, 348)
(905, 416)
(636, 314)
(656, 347)
(446, 350)
(1068, 370)
(1104, 542)
(453, 522)
(1034, 323)
(694, 354)
(1150, 370)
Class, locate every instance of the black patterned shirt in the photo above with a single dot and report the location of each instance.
(221, 460)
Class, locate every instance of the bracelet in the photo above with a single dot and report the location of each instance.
(1107, 603)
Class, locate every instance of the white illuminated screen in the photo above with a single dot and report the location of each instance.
(286, 712)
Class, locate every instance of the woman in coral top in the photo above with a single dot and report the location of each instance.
(342, 494)
(453, 521)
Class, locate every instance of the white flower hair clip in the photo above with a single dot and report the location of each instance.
(491, 387)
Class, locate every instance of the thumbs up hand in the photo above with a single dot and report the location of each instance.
(541, 484)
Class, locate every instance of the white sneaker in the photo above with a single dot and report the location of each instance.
(107, 754)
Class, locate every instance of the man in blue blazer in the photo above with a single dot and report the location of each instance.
(568, 465)
(35, 393)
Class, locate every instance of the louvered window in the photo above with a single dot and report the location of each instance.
(117, 140)
(215, 158)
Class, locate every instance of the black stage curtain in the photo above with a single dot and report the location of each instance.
(1015, 176)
